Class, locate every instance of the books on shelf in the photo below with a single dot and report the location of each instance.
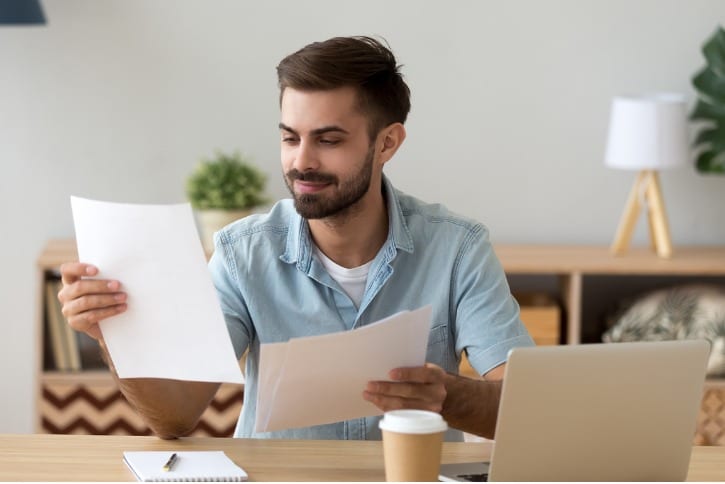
(90, 352)
(69, 349)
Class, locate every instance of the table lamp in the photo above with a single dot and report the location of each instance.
(647, 133)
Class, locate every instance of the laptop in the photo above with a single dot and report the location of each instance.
(595, 412)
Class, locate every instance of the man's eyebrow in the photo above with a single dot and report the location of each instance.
(317, 131)
(284, 127)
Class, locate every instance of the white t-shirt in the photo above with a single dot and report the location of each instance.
(352, 280)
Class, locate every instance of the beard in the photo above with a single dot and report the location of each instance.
(347, 192)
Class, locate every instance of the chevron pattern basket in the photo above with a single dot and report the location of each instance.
(99, 408)
(711, 420)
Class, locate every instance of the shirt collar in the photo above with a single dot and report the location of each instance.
(299, 243)
(398, 233)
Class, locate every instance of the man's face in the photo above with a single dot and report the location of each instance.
(327, 157)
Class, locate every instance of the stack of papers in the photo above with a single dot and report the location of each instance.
(320, 379)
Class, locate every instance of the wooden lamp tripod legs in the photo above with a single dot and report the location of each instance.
(646, 190)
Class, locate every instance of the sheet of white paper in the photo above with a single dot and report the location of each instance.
(271, 360)
(173, 327)
(322, 378)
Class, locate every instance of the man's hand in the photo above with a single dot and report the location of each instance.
(420, 388)
(86, 302)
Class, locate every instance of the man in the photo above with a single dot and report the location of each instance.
(347, 251)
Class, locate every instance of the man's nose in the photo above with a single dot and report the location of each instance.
(306, 157)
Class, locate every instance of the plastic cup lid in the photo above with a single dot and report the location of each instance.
(413, 422)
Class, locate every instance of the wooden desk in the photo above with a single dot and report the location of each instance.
(99, 458)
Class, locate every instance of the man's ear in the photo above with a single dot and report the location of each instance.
(390, 139)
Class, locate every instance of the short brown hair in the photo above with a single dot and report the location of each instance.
(360, 62)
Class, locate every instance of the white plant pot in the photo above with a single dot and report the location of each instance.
(210, 221)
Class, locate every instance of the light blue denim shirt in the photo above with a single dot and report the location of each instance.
(271, 289)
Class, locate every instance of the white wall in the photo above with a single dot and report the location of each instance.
(118, 99)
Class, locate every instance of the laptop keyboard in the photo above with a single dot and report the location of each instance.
(474, 477)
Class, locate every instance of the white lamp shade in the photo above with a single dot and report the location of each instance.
(648, 133)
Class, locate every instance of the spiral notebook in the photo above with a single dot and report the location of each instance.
(189, 466)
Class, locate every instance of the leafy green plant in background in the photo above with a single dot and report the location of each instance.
(710, 108)
(226, 182)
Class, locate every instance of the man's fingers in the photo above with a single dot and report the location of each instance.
(429, 373)
(72, 271)
(85, 287)
(411, 391)
(87, 322)
(420, 388)
(92, 302)
(88, 301)
(387, 403)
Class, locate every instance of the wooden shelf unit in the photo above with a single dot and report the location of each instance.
(585, 280)
(574, 265)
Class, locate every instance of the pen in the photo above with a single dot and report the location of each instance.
(170, 463)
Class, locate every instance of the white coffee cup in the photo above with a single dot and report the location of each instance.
(412, 441)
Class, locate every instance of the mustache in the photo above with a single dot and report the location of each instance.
(311, 176)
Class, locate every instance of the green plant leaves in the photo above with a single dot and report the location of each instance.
(228, 182)
(711, 162)
(714, 51)
(707, 111)
(710, 107)
(710, 85)
(713, 137)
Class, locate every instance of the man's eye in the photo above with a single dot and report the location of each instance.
(329, 141)
(289, 139)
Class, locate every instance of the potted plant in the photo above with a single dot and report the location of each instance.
(710, 108)
(223, 189)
